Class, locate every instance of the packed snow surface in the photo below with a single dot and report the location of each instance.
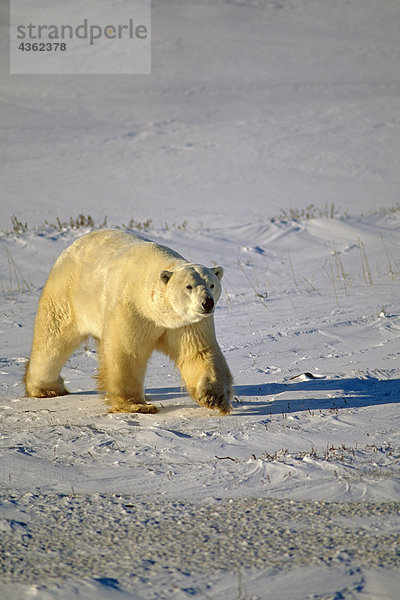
(266, 140)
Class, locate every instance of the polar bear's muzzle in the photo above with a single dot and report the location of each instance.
(208, 305)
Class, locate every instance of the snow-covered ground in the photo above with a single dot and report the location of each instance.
(255, 110)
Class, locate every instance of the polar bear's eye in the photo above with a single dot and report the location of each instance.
(212, 286)
(189, 287)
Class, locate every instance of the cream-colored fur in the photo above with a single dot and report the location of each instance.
(132, 296)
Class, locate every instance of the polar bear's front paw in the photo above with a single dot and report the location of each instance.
(215, 396)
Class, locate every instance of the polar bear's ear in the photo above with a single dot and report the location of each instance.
(165, 276)
(218, 271)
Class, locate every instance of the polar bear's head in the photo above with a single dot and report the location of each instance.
(190, 293)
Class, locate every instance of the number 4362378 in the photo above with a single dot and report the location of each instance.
(42, 46)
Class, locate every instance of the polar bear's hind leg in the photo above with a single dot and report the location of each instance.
(55, 338)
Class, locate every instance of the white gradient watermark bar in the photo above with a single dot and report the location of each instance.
(80, 37)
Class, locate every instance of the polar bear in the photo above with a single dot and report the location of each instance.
(132, 296)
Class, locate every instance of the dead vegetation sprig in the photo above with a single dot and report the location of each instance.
(329, 211)
(137, 225)
(330, 453)
(14, 282)
(365, 264)
(88, 222)
(385, 210)
(80, 222)
(392, 271)
(18, 226)
(262, 296)
(341, 274)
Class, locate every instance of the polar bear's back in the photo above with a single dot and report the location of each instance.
(109, 245)
(103, 241)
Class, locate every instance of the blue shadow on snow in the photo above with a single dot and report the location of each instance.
(345, 393)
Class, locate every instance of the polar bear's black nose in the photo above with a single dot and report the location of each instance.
(208, 304)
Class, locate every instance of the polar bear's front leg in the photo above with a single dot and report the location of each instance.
(208, 380)
(214, 393)
(201, 363)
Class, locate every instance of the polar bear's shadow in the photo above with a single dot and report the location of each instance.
(167, 400)
(170, 400)
(315, 394)
(164, 393)
(267, 399)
